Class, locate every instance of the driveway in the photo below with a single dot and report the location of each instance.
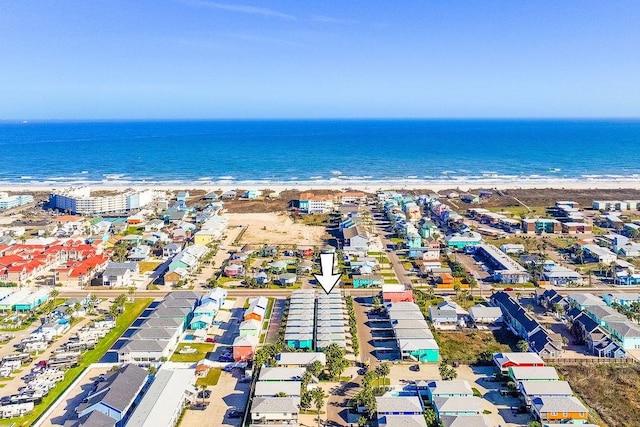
(275, 320)
(500, 406)
(226, 395)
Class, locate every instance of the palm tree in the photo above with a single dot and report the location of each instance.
(383, 370)
(281, 394)
(318, 397)
(523, 346)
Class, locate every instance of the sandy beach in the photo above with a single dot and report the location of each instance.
(367, 186)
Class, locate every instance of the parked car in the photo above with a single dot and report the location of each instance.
(206, 394)
(234, 414)
(210, 339)
(245, 380)
(508, 289)
(199, 406)
(416, 367)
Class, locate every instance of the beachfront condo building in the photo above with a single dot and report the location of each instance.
(8, 202)
(78, 200)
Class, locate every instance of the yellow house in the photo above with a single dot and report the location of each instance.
(204, 237)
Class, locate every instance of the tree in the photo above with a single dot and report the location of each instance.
(363, 422)
(383, 370)
(54, 293)
(431, 418)
(523, 346)
(131, 291)
(318, 396)
(281, 394)
(447, 373)
(305, 400)
(377, 305)
(315, 368)
(202, 389)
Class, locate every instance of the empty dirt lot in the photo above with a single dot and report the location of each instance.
(276, 228)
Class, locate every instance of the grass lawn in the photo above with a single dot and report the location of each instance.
(297, 285)
(391, 281)
(267, 312)
(203, 349)
(610, 390)
(131, 313)
(514, 285)
(468, 303)
(146, 266)
(466, 346)
(211, 379)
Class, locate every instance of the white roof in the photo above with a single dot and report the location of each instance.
(163, 398)
(543, 388)
(281, 374)
(399, 404)
(450, 387)
(272, 388)
(246, 341)
(478, 311)
(392, 288)
(534, 373)
(458, 404)
(518, 358)
(301, 359)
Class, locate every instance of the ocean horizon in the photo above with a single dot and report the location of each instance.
(319, 152)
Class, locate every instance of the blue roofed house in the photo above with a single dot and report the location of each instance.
(366, 280)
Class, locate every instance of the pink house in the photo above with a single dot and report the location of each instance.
(396, 293)
(244, 347)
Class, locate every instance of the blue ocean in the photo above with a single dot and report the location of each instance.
(318, 151)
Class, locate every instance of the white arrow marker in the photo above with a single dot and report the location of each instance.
(326, 278)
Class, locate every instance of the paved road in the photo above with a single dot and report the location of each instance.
(338, 402)
(379, 226)
(275, 320)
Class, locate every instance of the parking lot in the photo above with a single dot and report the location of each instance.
(227, 395)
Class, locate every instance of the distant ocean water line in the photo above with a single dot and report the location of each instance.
(318, 151)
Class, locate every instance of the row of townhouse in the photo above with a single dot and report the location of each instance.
(411, 331)
(159, 331)
(211, 230)
(21, 263)
(586, 330)
(79, 200)
(15, 200)
(330, 327)
(268, 406)
(523, 325)
(505, 269)
(209, 306)
(625, 333)
(548, 398)
(616, 205)
(22, 300)
(184, 263)
(300, 320)
(245, 344)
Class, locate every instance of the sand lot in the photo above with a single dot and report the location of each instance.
(276, 229)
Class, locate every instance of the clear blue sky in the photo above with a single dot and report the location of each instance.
(101, 59)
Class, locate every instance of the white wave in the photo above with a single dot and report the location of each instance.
(26, 177)
(336, 173)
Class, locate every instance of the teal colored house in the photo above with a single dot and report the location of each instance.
(299, 340)
(366, 280)
(445, 389)
(413, 240)
(201, 321)
(462, 240)
(422, 349)
(457, 406)
(427, 229)
(32, 301)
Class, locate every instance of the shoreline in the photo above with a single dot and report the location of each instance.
(337, 185)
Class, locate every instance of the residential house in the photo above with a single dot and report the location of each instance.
(396, 293)
(274, 388)
(356, 240)
(309, 203)
(117, 395)
(250, 327)
(244, 347)
(443, 316)
(559, 409)
(296, 359)
(120, 274)
(457, 406)
(482, 315)
(275, 410)
(532, 389)
(558, 275)
(401, 410)
(526, 373)
(217, 297)
(584, 301)
(445, 389)
(504, 361)
(367, 280)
